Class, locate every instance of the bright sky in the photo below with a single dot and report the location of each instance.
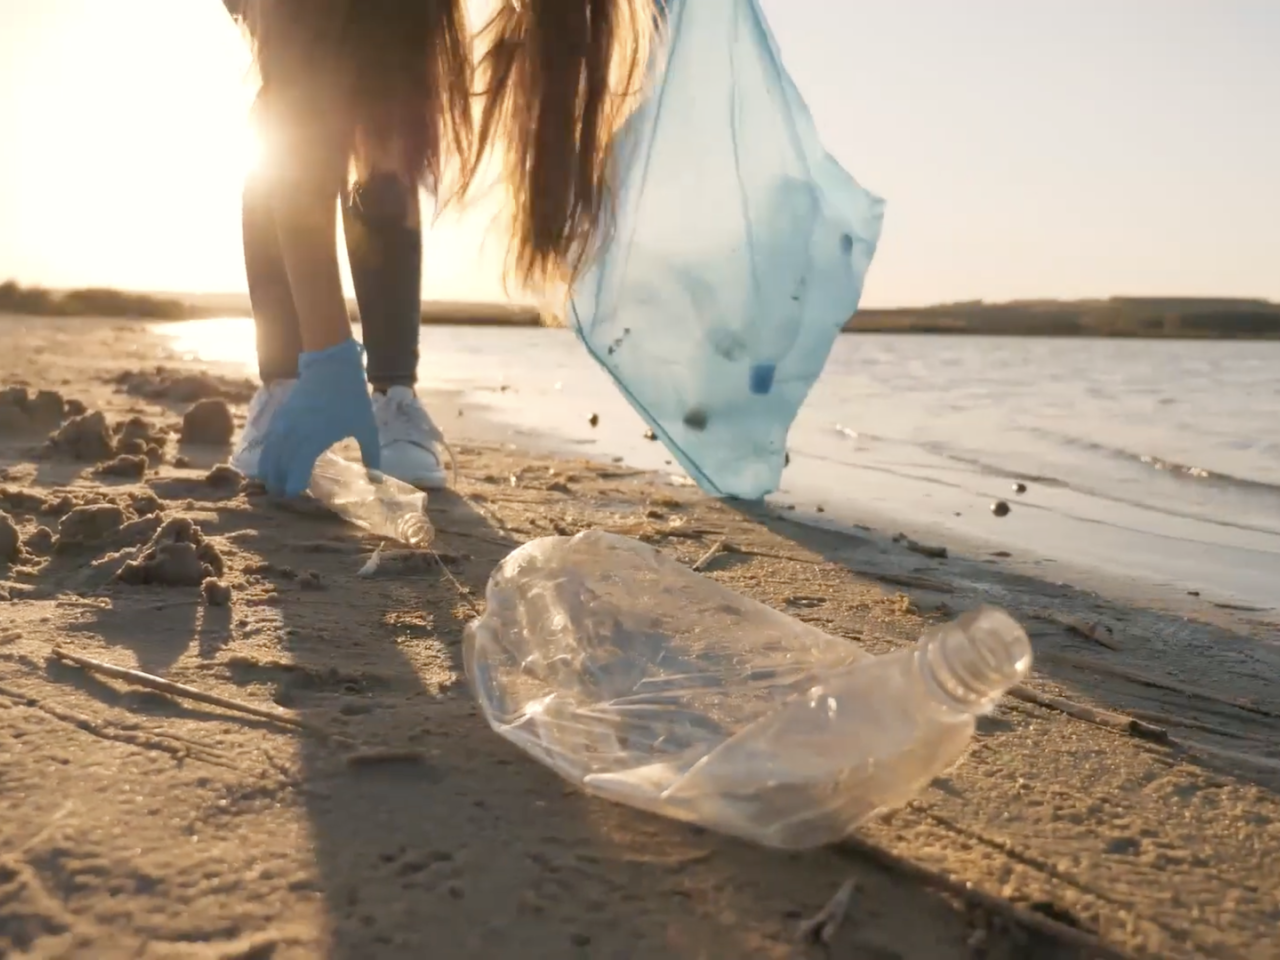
(1052, 148)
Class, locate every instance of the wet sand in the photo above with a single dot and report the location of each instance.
(1128, 792)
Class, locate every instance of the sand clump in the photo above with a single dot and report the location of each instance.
(125, 466)
(145, 503)
(21, 501)
(139, 437)
(40, 541)
(167, 385)
(209, 422)
(22, 411)
(216, 593)
(10, 540)
(90, 523)
(86, 438)
(225, 477)
(178, 555)
(127, 449)
(57, 506)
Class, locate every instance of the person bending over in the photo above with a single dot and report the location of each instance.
(361, 103)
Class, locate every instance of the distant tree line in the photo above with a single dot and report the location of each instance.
(91, 302)
(1177, 317)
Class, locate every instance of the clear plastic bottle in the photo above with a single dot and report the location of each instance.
(372, 500)
(651, 685)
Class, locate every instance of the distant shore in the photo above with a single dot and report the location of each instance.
(106, 303)
(1181, 318)
(1178, 318)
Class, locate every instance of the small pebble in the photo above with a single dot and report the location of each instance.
(1000, 508)
(216, 593)
(594, 420)
(650, 435)
(224, 475)
(1019, 488)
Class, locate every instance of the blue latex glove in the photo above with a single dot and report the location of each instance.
(329, 404)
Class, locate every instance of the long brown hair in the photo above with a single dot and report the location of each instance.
(393, 77)
(558, 77)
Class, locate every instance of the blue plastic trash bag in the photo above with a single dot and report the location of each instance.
(740, 251)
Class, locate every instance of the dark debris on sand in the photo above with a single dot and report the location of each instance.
(126, 449)
(209, 422)
(175, 386)
(177, 556)
(22, 411)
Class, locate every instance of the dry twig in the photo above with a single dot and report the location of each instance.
(1087, 942)
(704, 561)
(1159, 683)
(1101, 718)
(160, 685)
(1096, 631)
(822, 926)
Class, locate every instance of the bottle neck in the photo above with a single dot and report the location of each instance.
(968, 665)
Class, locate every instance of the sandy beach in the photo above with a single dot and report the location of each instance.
(1123, 803)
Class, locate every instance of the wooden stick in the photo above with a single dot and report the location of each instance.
(1170, 720)
(160, 685)
(1101, 718)
(705, 560)
(822, 926)
(1159, 683)
(1146, 731)
(1098, 632)
(1088, 943)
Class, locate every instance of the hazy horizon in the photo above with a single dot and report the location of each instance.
(1071, 149)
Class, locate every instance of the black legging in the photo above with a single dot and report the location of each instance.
(384, 248)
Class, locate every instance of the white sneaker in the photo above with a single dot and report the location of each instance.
(266, 401)
(411, 442)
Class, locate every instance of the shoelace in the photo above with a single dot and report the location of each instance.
(415, 411)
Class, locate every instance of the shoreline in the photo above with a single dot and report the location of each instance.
(1117, 317)
(477, 315)
(451, 840)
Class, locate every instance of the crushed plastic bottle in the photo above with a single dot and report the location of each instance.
(716, 324)
(651, 685)
(370, 499)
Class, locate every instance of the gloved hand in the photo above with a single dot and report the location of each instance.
(329, 404)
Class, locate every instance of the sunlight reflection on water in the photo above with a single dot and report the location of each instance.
(215, 340)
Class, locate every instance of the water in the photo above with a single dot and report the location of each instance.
(1155, 460)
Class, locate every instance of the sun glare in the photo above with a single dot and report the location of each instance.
(131, 141)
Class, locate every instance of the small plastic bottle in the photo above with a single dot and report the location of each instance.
(651, 685)
(372, 500)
